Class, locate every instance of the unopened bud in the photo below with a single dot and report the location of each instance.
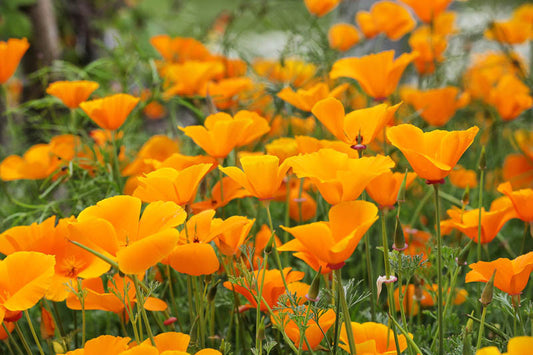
(467, 339)
(515, 300)
(212, 293)
(488, 290)
(399, 238)
(466, 196)
(312, 294)
(469, 324)
(401, 192)
(463, 255)
(261, 332)
(482, 159)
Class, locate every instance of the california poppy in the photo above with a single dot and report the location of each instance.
(188, 78)
(511, 97)
(512, 31)
(511, 275)
(104, 344)
(321, 7)
(522, 200)
(179, 49)
(386, 17)
(111, 111)
(305, 99)
(357, 127)
(338, 177)
(37, 163)
(307, 144)
(432, 155)
(225, 92)
(334, 242)
(261, 175)
(158, 147)
(220, 197)
(11, 53)
(463, 178)
(426, 300)
(492, 221)
(417, 242)
(230, 241)
(430, 47)
(291, 71)
(72, 93)
(342, 36)
(384, 188)
(378, 74)
(168, 184)
(518, 345)
(427, 10)
(372, 338)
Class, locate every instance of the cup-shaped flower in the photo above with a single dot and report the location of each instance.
(110, 112)
(115, 228)
(384, 188)
(261, 175)
(25, 277)
(168, 184)
(512, 31)
(104, 344)
(501, 211)
(305, 99)
(342, 36)
(365, 123)
(430, 47)
(220, 197)
(38, 162)
(372, 338)
(221, 132)
(157, 148)
(518, 345)
(511, 275)
(321, 7)
(386, 17)
(230, 241)
(72, 93)
(179, 49)
(511, 97)
(426, 299)
(378, 74)
(432, 155)
(427, 10)
(338, 177)
(11, 53)
(461, 177)
(334, 242)
(522, 200)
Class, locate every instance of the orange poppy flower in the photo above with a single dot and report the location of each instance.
(511, 275)
(158, 147)
(282, 148)
(365, 123)
(168, 184)
(221, 132)
(179, 49)
(427, 300)
(384, 188)
(417, 242)
(51, 239)
(261, 175)
(119, 290)
(273, 287)
(115, 227)
(37, 163)
(501, 211)
(314, 332)
(386, 17)
(342, 36)
(517, 169)
(230, 190)
(337, 177)
(378, 74)
(11, 53)
(291, 71)
(372, 338)
(305, 99)
(104, 344)
(518, 345)
(111, 111)
(461, 177)
(224, 92)
(512, 31)
(189, 78)
(230, 241)
(334, 242)
(522, 200)
(33, 271)
(72, 93)
(432, 155)
(321, 7)
(308, 144)
(511, 97)
(427, 10)
(435, 106)
(280, 125)
(430, 47)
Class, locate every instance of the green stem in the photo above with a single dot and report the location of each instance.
(370, 279)
(10, 338)
(140, 305)
(419, 208)
(98, 254)
(481, 327)
(22, 338)
(439, 272)
(407, 336)
(116, 166)
(33, 333)
(480, 205)
(346, 312)
(220, 179)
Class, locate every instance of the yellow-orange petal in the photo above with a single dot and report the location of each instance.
(194, 259)
(110, 112)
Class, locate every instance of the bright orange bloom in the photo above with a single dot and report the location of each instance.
(280, 125)
(518, 168)
(427, 298)
(342, 36)
(511, 275)
(179, 49)
(37, 163)
(273, 287)
(308, 144)
(225, 92)
(114, 227)
(72, 93)
(52, 239)
(282, 148)
(11, 53)
(321, 7)
(430, 47)
(518, 345)
(378, 74)
(111, 111)
(432, 155)
(189, 78)
(261, 175)
(461, 177)
(386, 17)
(372, 338)
(338, 177)
(47, 324)
(158, 147)
(168, 184)
(365, 123)
(512, 31)
(436, 106)
(230, 241)
(510, 97)
(305, 99)
(427, 10)
(25, 276)
(384, 188)
(417, 242)
(231, 190)
(334, 242)
(292, 71)
(522, 200)
(314, 333)
(104, 344)
(221, 132)
(501, 211)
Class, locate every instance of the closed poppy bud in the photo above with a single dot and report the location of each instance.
(419, 292)
(47, 324)
(312, 294)
(403, 187)
(342, 36)
(466, 196)
(261, 332)
(399, 238)
(483, 160)
(11, 53)
(488, 291)
(212, 293)
(463, 255)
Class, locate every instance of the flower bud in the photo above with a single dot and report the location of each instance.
(399, 238)
(312, 294)
(401, 192)
(488, 290)
(463, 255)
(466, 196)
(212, 293)
(482, 159)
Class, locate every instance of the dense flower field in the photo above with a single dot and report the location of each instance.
(196, 202)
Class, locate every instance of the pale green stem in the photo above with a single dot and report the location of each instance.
(33, 333)
(439, 272)
(346, 312)
(140, 305)
(481, 328)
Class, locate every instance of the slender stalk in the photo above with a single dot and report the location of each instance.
(140, 305)
(346, 312)
(10, 338)
(419, 208)
(22, 338)
(220, 179)
(116, 166)
(302, 329)
(370, 279)
(33, 333)
(481, 328)
(480, 204)
(439, 272)
(407, 337)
